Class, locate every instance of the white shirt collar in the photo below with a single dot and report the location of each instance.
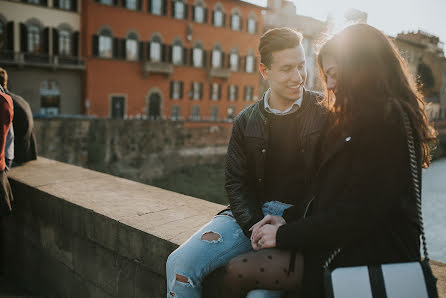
(290, 110)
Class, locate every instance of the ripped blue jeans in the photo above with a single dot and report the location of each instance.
(187, 266)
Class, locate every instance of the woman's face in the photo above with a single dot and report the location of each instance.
(329, 66)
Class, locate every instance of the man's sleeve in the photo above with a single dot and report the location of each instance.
(245, 207)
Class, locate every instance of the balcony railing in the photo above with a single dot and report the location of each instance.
(223, 73)
(157, 67)
(41, 60)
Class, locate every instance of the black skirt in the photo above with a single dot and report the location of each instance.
(6, 199)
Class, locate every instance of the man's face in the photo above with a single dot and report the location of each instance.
(287, 74)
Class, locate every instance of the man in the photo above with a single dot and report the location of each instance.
(25, 148)
(270, 162)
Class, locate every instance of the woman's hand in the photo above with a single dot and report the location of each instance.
(265, 237)
(271, 221)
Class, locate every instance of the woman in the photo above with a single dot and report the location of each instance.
(362, 201)
(6, 115)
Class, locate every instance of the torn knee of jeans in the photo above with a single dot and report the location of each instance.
(184, 280)
(211, 237)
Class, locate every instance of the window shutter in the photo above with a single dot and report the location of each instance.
(240, 23)
(115, 47)
(44, 2)
(210, 91)
(228, 63)
(191, 57)
(170, 54)
(191, 92)
(96, 45)
(186, 11)
(141, 51)
(165, 7)
(236, 92)
(148, 52)
(184, 56)
(55, 42)
(224, 19)
(124, 3)
(115, 2)
(181, 90)
(229, 92)
(222, 61)
(10, 36)
(171, 89)
(255, 27)
(56, 3)
(139, 5)
(123, 50)
(219, 91)
(74, 5)
(205, 15)
(172, 7)
(201, 90)
(203, 59)
(213, 17)
(75, 44)
(46, 40)
(149, 6)
(254, 67)
(163, 53)
(193, 12)
(230, 22)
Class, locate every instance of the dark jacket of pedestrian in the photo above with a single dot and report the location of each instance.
(362, 201)
(25, 147)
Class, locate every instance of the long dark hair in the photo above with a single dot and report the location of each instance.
(371, 75)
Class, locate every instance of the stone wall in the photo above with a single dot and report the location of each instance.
(141, 150)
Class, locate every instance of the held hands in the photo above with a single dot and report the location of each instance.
(264, 232)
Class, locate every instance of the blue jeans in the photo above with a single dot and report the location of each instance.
(196, 258)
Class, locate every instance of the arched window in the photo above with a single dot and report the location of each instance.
(34, 40)
(250, 62)
(197, 56)
(179, 10)
(156, 7)
(154, 106)
(252, 24)
(218, 16)
(131, 47)
(234, 60)
(49, 98)
(217, 57)
(236, 20)
(105, 44)
(65, 43)
(199, 12)
(65, 4)
(132, 4)
(155, 49)
(177, 53)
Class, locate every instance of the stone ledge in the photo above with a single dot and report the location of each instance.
(98, 235)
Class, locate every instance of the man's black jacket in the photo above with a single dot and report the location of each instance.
(247, 150)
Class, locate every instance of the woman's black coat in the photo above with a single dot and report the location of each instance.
(363, 201)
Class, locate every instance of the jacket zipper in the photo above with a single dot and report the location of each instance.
(308, 206)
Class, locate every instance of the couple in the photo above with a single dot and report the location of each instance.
(307, 174)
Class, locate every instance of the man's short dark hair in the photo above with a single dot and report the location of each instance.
(277, 39)
(3, 78)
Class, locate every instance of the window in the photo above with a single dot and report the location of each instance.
(235, 22)
(248, 93)
(49, 98)
(216, 58)
(64, 43)
(179, 10)
(231, 113)
(249, 64)
(131, 47)
(176, 89)
(2, 35)
(106, 2)
(234, 62)
(218, 18)
(156, 7)
(34, 1)
(214, 113)
(33, 39)
(105, 44)
(175, 113)
(199, 14)
(197, 58)
(131, 4)
(215, 91)
(65, 4)
(117, 107)
(155, 51)
(154, 111)
(252, 26)
(232, 92)
(195, 113)
(196, 90)
(177, 54)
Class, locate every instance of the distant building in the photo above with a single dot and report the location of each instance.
(170, 59)
(426, 61)
(39, 48)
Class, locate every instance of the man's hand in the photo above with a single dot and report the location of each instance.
(265, 237)
(267, 220)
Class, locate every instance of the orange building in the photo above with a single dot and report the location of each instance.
(170, 59)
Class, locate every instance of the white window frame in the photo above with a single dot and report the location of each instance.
(249, 64)
(105, 46)
(131, 47)
(218, 18)
(177, 54)
(155, 51)
(197, 57)
(157, 7)
(197, 10)
(234, 61)
(252, 25)
(216, 58)
(180, 9)
(235, 17)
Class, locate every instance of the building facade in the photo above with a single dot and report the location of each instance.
(170, 59)
(39, 48)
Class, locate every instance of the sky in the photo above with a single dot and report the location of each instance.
(390, 16)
